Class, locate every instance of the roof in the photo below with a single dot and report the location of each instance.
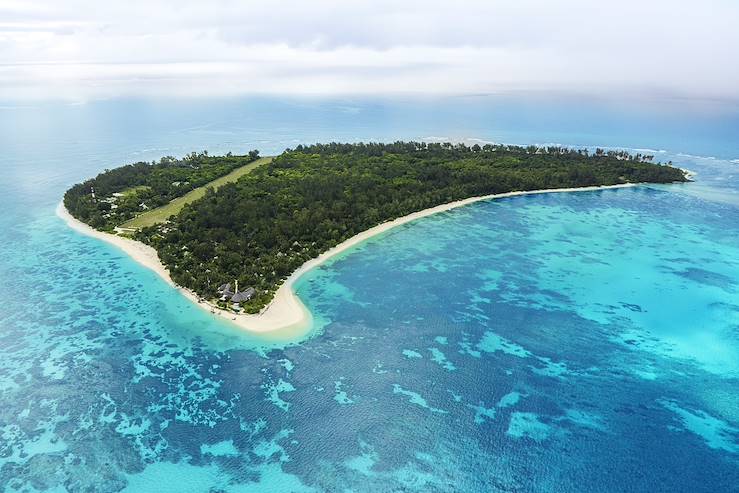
(245, 295)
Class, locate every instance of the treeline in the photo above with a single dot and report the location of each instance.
(460, 149)
(117, 195)
(263, 227)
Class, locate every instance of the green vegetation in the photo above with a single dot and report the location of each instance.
(218, 219)
(161, 214)
(135, 190)
(261, 228)
(116, 196)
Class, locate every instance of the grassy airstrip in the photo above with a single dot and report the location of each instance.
(161, 214)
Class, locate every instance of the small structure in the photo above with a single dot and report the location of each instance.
(225, 291)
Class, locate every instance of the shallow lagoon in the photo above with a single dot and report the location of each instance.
(564, 342)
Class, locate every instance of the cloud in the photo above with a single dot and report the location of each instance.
(79, 49)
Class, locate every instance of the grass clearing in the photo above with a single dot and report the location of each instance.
(134, 190)
(161, 214)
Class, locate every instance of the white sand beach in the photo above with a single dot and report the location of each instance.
(690, 175)
(285, 313)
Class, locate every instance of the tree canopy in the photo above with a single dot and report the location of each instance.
(261, 228)
(117, 195)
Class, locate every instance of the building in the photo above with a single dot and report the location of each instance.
(234, 295)
(242, 296)
(225, 291)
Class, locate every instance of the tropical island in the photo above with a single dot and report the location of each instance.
(233, 231)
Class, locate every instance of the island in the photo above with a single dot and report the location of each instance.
(234, 232)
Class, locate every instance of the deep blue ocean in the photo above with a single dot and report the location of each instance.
(582, 342)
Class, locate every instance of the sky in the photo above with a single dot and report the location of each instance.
(82, 50)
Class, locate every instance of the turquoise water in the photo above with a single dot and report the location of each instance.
(553, 343)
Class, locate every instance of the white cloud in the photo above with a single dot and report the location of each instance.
(79, 49)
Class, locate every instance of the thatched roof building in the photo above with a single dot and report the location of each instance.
(242, 296)
(235, 296)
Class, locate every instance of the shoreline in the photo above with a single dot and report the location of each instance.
(688, 173)
(286, 314)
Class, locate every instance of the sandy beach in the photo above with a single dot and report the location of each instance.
(285, 313)
(688, 173)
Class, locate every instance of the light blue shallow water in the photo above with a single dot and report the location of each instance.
(561, 342)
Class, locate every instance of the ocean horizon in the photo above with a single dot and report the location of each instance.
(555, 342)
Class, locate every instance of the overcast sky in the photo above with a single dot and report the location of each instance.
(81, 50)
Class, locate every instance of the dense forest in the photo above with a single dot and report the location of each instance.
(117, 195)
(261, 228)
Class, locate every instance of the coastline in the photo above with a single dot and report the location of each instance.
(286, 313)
(688, 173)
